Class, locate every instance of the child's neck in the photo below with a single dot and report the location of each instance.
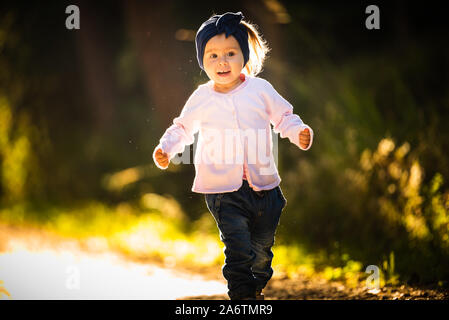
(230, 87)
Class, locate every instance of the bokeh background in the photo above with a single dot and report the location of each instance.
(82, 110)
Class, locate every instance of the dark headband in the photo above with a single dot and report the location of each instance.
(228, 23)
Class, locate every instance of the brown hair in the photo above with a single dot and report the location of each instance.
(258, 49)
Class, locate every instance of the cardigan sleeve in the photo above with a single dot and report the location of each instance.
(281, 115)
(181, 132)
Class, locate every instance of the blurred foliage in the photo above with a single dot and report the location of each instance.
(140, 230)
(358, 191)
(81, 111)
(20, 139)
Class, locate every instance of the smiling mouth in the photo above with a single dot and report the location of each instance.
(223, 73)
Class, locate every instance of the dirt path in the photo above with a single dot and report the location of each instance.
(306, 288)
(38, 265)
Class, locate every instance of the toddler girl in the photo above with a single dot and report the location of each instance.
(234, 161)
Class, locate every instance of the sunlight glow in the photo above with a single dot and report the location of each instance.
(53, 274)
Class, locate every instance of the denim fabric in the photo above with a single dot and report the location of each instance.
(247, 222)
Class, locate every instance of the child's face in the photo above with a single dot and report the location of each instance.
(223, 61)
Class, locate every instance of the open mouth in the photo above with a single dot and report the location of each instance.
(223, 73)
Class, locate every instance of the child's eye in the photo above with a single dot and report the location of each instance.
(213, 56)
(231, 54)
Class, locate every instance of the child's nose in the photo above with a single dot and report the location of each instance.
(223, 60)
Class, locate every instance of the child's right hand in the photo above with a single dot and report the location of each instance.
(162, 158)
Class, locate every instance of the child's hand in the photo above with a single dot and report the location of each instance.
(161, 158)
(304, 138)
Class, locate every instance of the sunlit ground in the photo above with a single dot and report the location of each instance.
(70, 274)
(95, 252)
(88, 253)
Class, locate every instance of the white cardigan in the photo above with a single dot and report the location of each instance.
(234, 135)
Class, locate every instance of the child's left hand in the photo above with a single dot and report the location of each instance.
(304, 138)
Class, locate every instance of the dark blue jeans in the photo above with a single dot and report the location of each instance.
(247, 221)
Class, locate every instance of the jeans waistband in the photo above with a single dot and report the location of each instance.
(245, 186)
